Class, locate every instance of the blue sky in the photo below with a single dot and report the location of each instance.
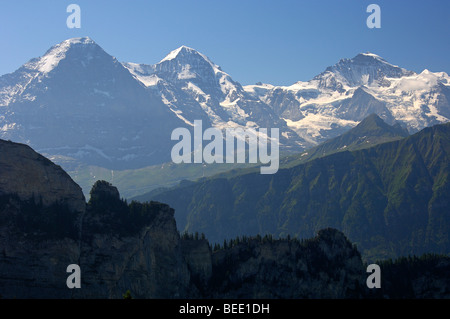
(278, 42)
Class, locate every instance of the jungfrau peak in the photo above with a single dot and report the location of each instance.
(363, 69)
(347, 92)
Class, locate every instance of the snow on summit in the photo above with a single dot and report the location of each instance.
(394, 93)
(173, 54)
(371, 54)
(77, 79)
(184, 51)
(55, 54)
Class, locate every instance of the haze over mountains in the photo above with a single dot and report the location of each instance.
(46, 225)
(356, 183)
(390, 199)
(78, 102)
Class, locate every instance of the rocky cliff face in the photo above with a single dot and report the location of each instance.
(137, 247)
(29, 175)
(155, 262)
(149, 262)
(327, 266)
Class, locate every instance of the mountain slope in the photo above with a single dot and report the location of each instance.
(135, 182)
(78, 104)
(77, 101)
(369, 132)
(363, 69)
(391, 199)
(194, 88)
(40, 180)
(136, 247)
(349, 91)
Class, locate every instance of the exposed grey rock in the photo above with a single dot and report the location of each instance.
(29, 175)
(327, 266)
(149, 263)
(79, 102)
(154, 262)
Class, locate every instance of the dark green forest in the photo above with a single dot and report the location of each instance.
(391, 200)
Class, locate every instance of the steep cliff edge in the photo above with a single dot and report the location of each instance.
(45, 225)
(132, 247)
(29, 175)
(326, 266)
(40, 206)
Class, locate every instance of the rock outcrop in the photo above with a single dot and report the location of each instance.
(327, 266)
(136, 247)
(29, 175)
(153, 261)
(149, 262)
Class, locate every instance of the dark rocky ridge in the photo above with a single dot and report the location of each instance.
(29, 175)
(137, 247)
(390, 199)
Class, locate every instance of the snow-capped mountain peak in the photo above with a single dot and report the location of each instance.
(79, 101)
(80, 40)
(183, 50)
(373, 55)
(74, 55)
(184, 67)
(185, 55)
(352, 89)
(193, 87)
(364, 69)
(55, 54)
(369, 57)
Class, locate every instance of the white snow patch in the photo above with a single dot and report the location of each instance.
(251, 124)
(233, 108)
(143, 73)
(258, 90)
(225, 84)
(373, 55)
(150, 80)
(8, 127)
(310, 127)
(172, 55)
(422, 81)
(186, 73)
(194, 88)
(58, 52)
(181, 117)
